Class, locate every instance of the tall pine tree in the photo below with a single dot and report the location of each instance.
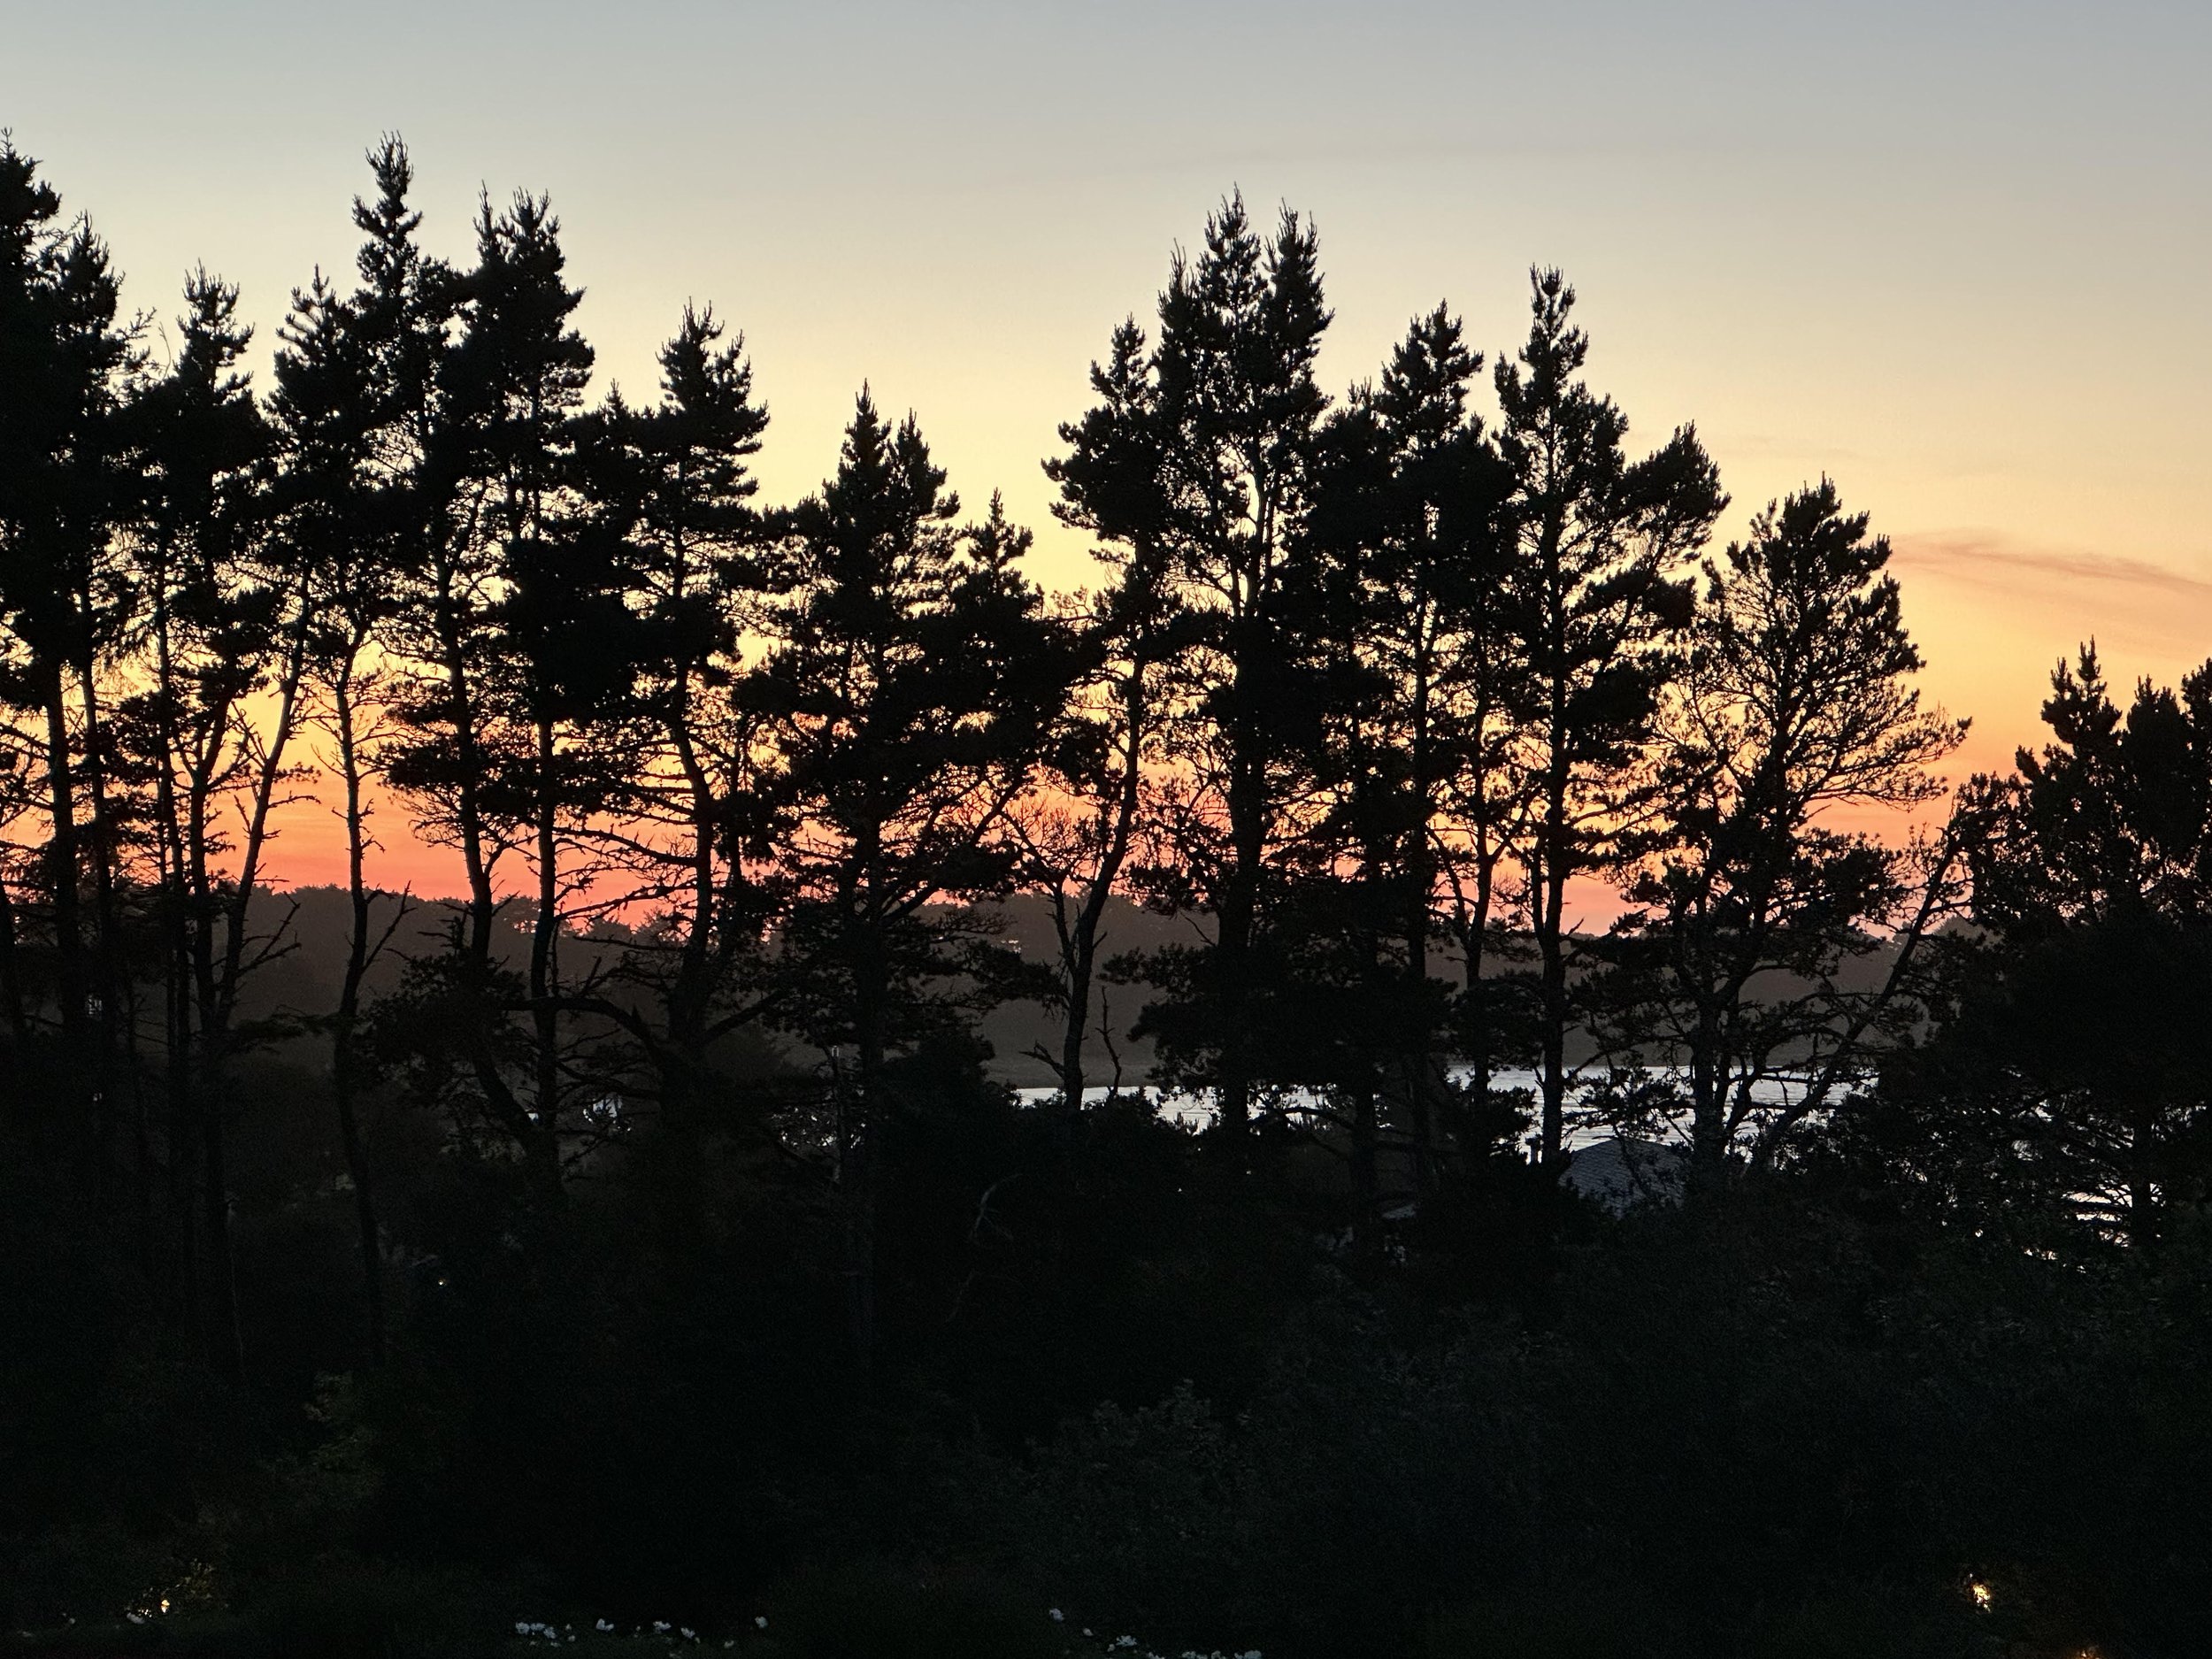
(1228, 414)
(913, 673)
(1595, 601)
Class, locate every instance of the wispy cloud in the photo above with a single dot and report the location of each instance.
(1989, 559)
(1997, 610)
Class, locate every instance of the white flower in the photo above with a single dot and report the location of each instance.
(1057, 1617)
(761, 1622)
(687, 1634)
(605, 1627)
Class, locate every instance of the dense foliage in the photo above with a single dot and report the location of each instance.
(648, 1229)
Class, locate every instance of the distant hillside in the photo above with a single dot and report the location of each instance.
(1017, 1028)
(305, 978)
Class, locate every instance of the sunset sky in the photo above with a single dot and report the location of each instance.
(1956, 256)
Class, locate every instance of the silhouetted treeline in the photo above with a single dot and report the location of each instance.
(641, 1227)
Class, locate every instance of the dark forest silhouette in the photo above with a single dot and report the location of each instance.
(648, 1229)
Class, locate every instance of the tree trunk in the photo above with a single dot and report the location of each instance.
(64, 861)
(343, 1026)
(860, 1177)
(107, 932)
(11, 985)
(544, 969)
(1708, 1115)
(1247, 833)
(1080, 970)
(1082, 950)
(1366, 1177)
(225, 1340)
(1552, 949)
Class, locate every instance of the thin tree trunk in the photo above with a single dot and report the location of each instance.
(1552, 951)
(690, 996)
(221, 978)
(468, 814)
(860, 1177)
(203, 1089)
(1082, 955)
(174, 922)
(11, 985)
(545, 971)
(101, 843)
(1425, 1068)
(482, 907)
(1551, 882)
(226, 1344)
(1083, 947)
(1233, 948)
(62, 856)
(343, 1026)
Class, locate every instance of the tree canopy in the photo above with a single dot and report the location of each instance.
(933, 1099)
